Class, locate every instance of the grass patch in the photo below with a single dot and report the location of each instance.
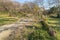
(4, 21)
(55, 22)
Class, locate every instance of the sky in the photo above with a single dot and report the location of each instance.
(46, 5)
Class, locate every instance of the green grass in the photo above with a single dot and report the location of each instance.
(4, 21)
(41, 34)
(55, 22)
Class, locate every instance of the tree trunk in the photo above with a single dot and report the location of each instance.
(58, 15)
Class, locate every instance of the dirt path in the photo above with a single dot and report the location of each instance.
(6, 30)
(5, 34)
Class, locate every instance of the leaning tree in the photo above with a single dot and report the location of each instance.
(44, 4)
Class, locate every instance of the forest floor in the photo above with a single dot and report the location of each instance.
(7, 29)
